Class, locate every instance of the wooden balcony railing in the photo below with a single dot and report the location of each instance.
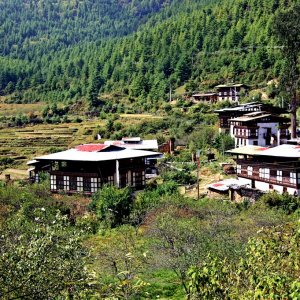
(283, 180)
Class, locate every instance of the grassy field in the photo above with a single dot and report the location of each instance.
(15, 109)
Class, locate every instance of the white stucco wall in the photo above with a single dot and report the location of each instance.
(262, 130)
(264, 186)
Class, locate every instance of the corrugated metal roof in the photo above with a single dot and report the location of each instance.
(290, 151)
(142, 145)
(91, 147)
(251, 117)
(32, 162)
(131, 139)
(241, 107)
(75, 155)
(204, 94)
(233, 85)
(225, 184)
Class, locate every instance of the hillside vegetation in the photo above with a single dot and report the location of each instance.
(73, 50)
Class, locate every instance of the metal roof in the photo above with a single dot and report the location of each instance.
(141, 145)
(204, 94)
(225, 184)
(75, 155)
(131, 139)
(32, 162)
(251, 116)
(230, 85)
(91, 147)
(286, 150)
(241, 107)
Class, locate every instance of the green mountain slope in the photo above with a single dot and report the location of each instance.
(181, 41)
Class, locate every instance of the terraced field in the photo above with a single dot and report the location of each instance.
(23, 144)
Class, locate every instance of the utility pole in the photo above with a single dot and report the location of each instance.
(198, 173)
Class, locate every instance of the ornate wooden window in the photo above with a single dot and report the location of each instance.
(293, 177)
(86, 184)
(279, 175)
(95, 184)
(66, 183)
(60, 182)
(264, 173)
(80, 184)
(250, 170)
(53, 182)
(73, 183)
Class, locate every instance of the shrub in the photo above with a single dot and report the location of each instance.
(112, 205)
(286, 202)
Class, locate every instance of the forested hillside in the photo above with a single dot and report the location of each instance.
(70, 50)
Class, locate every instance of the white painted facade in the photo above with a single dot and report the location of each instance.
(242, 137)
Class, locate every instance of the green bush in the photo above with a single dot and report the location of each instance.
(180, 177)
(112, 205)
(286, 202)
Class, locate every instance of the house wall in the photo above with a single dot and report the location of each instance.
(89, 177)
(261, 140)
(264, 186)
(263, 127)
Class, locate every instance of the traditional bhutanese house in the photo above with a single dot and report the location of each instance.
(209, 97)
(269, 169)
(230, 92)
(225, 114)
(260, 129)
(135, 143)
(87, 167)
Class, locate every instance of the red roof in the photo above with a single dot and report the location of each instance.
(217, 184)
(263, 148)
(91, 147)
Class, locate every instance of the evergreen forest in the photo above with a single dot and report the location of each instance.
(68, 51)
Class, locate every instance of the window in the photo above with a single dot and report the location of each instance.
(73, 183)
(298, 178)
(264, 173)
(86, 184)
(53, 182)
(250, 171)
(138, 178)
(80, 184)
(279, 175)
(255, 143)
(66, 183)
(238, 169)
(293, 177)
(60, 182)
(95, 184)
(110, 180)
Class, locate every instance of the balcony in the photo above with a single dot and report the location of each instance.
(285, 180)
